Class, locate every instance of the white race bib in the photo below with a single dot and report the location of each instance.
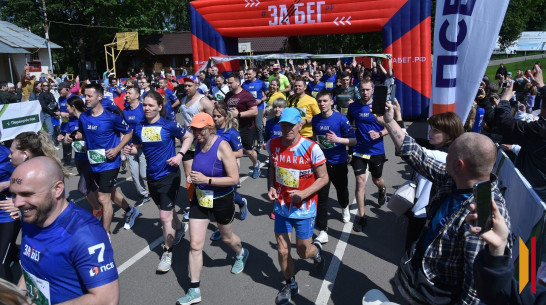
(78, 146)
(96, 156)
(151, 134)
(288, 177)
(205, 198)
(38, 289)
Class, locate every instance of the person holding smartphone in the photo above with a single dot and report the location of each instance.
(438, 269)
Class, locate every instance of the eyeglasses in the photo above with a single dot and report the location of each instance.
(45, 85)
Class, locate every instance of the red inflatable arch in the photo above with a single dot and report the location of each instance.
(216, 25)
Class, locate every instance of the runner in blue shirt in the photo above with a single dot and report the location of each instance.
(102, 134)
(64, 95)
(65, 253)
(156, 136)
(9, 227)
(113, 87)
(369, 151)
(329, 79)
(314, 87)
(86, 185)
(257, 88)
(226, 128)
(134, 115)
(333, 132)
(172, 101)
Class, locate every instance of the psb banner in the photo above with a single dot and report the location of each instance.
(19, 117)
(464, 37)
(524, 206)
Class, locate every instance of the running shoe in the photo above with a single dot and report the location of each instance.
(360, 223)
(193, 296)
(143, 200)
(216, 235)
(318, 260)
(240, 262)
(180, 233)
(130, 218)
(243, 209)
(346, 214)
(285, 295)
(322, 237)
(256, 171)
(165, 262)
(382, 196)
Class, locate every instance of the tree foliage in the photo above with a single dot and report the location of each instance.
(521, 15)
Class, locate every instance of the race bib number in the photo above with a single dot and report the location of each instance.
(151, 134)
(288, 177)
(96, 156)
(329, 85)
(38, 289)
(65, 119)
(324, 142)
(314, 93)
(254, 94)
(367, 157)
(219, 97)
(343, 110)
(205, 198)
(78, 146)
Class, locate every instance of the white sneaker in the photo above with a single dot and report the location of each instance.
(165, 262)
(322, 237)
(346, 215)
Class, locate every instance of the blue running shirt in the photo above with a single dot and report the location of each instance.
(231, 136)
(335, 153)
(364, 123)
(67, 258)
(256, 88)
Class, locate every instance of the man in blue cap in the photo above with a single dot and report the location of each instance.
(298, 172)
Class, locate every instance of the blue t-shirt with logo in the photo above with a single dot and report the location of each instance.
(114, 90)
(314, 89)
(67, 258)
(72, 126)
(158, 145)
(63, 108)
(231, 136)
(256, 88)
(335, 153)
(101, 134)
(272, 129)
(109, 104)
(6, 169)
(364, 122)
(133, 116)
(329, 81)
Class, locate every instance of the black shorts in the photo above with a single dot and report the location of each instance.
(247, 136)
(374, 165)
(188, 155)
(223, 209)
(164, 190)
(106, 180)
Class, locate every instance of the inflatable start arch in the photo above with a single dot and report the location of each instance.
(216, 25)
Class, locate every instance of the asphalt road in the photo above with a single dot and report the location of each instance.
(355, 262)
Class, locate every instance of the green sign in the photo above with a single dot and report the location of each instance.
(16, 122)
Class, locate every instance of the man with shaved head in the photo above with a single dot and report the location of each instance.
(438, 267)
(65, 252)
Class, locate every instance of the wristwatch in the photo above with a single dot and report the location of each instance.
(380, 133)
(181, 153)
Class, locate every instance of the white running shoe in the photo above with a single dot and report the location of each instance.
(165, 262)
(322, 237)
(346, 215)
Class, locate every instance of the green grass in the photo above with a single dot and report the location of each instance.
(513, 67)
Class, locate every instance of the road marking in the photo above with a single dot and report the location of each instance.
(328, 283)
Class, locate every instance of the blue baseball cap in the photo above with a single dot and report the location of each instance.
(290, 115)
(192, 79)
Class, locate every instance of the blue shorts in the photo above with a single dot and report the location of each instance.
(304, 227)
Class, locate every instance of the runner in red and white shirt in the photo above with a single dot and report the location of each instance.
(298, 172)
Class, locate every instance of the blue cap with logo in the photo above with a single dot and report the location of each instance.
(191, 78)
(290, 115)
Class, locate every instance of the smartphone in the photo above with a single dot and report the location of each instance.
(379, 99)
(482, 196)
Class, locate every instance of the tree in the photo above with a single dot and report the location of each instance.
(516, 21)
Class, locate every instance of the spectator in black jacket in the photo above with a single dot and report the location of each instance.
(50, 108)
(493, 268)
(502, 70)
(531, 160)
